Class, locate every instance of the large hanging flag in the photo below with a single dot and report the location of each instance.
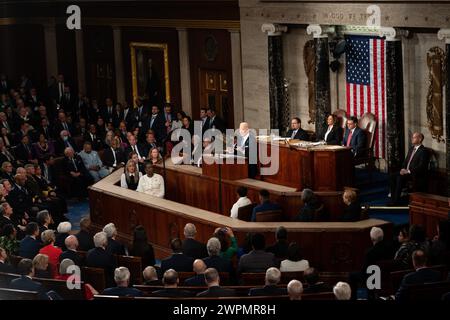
(365, 75)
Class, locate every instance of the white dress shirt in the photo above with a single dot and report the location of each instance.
(153, 186)
(242, 202)
(293, 266)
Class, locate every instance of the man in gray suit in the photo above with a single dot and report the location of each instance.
(257, 260)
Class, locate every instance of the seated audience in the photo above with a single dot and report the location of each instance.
(64, 141)
(170, 281)
(41, 267)
(198, 280)
(241, 202)
(93, 163)
(25, 282)
(113, 156)
(191, 247)
(4, 265)
(352, 210)
(228, 242)
(49, 249)
(150, 276)
(273, 277)
(154, 156)
(151, 183)
(63, 230)
(178, 260)
(130, 178)
(122, 279)
(85, 242)
(214, 260)
(295, 290)
(421, 275)
(416, 241)
(30, 245)
(44, 219)
(310, 206)
(71, 243)
(8, 240)
(294, 261)
(342, 291)
(114, 246)
(265, 204)
(141, 247)
(354, 137)
(256, 260)
(280, 248)
(311, 276)
(100, 258)
(213, 282)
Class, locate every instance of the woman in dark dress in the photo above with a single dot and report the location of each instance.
(142, 248)
(352, 210)
(333, 134)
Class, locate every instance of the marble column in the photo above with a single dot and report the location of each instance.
(236, 66)
(445, 34)
(278, 110)
(118, 64)
(185, 73)
(395, 129)
(322, 77)
(81, 69)
(51, 54)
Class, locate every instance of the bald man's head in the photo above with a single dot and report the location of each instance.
(199, 266)
(150, 274)
(243, 128)
(71, 242)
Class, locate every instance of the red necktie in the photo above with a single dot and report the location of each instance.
(349, 138)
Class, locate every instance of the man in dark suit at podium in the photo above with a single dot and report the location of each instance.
(415, 167)
(296, 131)
(247, 147)
(354, 137)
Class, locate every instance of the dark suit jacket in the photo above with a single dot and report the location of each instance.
(418, 166)
(29, 247)
(108, 117)
(158, 127)
(172, 293)
(140, 148)
(23, 154)
(60, 240)
(196, 281)
(69, 166)
(194, 249)
(334, 137)
(300, 135)
(358, 141)
(256, 261)
(25, 283)
(217, 123)
(72, 255)
(268, 291)
(122, 292)
(421, 276)
(317, 288)
(60, 145)
(100, 258)
(108, 157)
(266, 206)
(178, 261)
(217, 291)
(279, 249)
(96, 142)
(20, 200)
(352, 212)
(58, 127)
(7, 268)
(380, 251)
(115, 247)
(218, 263)
(85, 242)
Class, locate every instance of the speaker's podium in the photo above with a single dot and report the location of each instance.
(228, 166)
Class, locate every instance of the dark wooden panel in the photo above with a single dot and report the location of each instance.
(198, 59)
(67, 56)
(427, 210)
(153, 35)
(99, 62)
(23, 52)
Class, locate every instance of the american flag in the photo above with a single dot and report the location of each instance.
(365, 70)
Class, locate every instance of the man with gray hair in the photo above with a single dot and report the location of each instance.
(191, 247)
(214, 289)
(215, 260)
(342, 291)
(273, 277)
(98, 257)
(122, 279)
(63, 230)
(170, 281)
(114, 246)
(74, 169)
(151, 276)
(295, 290)
(199, 279)
(71, 243)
